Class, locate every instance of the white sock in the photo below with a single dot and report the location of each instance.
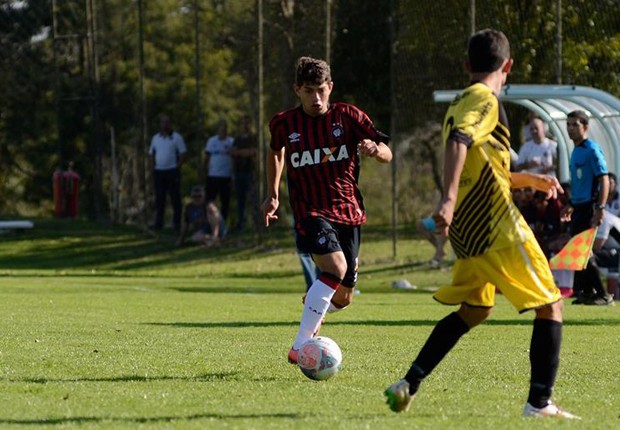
(317, 302)
(332, 308)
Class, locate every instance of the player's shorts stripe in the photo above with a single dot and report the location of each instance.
(533, 272)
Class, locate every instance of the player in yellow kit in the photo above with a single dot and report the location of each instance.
(493, 243)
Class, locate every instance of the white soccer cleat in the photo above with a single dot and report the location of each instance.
(398, 397)
(550, 410)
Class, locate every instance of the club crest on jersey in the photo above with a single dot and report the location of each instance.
(294, 137)
(337, 132)
(319, 155)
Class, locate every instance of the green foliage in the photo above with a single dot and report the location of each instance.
(109, 328)
(43, 125)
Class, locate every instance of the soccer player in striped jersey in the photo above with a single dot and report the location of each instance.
(493, 243)
(321, 143)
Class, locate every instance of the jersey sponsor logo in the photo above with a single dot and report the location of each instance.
(294, 137)
(319, 155)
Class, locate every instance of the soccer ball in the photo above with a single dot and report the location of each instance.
(319, 358)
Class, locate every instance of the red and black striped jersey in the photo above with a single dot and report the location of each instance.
(322, 160)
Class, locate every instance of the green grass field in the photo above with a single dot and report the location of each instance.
(107, 327)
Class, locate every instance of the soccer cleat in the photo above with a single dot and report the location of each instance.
(398, 397)
(293, 355)
(550, 410)
(607, 300)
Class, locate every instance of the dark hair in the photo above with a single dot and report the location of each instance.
(486, 50)
(312, 71)
(197, 190)
(581, 116)
(612, 176)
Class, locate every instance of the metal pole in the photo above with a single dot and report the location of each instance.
(91, 24)
(472, 16)
(328, 30)
(262, 168)
(197, 77)
(393, 124)
(114, 207)
(57, 84)
(141, 142)
(558, 43)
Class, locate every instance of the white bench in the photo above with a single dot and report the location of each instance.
(16, 225)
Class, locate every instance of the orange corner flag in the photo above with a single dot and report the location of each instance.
(575, 254)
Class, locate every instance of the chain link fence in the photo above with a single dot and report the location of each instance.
(85, 80)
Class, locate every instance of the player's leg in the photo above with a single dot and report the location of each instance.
(544, 363)
(477, 299)
(523, 275)
(545, 353)
(318, 237)
(349, 238)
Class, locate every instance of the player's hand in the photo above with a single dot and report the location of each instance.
(443, 216)
(548, 185)
(566, 213)
(368, 148)
(269, 207)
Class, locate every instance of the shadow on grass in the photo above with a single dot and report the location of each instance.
(75, 244)
(141, 420)
(64, 244)
(207, 377)
(243, 290)
(376, 323)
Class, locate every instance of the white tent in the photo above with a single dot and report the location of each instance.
(553, 102)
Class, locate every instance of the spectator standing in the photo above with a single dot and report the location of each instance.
(539, 154)
(218, 165)
(589, 190)
(244, 152)
(168, 153)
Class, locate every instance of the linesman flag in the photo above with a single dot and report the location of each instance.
(575, 254)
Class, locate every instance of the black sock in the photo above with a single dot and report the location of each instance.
(544, 360)
(445, 335)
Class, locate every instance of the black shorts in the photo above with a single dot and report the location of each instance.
(319, 236)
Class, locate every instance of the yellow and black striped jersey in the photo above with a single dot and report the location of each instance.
(485, 217)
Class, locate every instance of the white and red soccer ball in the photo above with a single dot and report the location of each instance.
(319, 358)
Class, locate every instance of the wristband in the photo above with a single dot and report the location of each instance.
(599, 206)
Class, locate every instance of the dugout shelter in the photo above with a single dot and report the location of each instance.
(552, 103)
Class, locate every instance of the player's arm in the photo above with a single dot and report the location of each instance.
(547, 184)
(275, 165)
(379, 151)
(599, 206)
(182, 159)
(454, 160)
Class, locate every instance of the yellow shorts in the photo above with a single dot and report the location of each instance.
(521, 272)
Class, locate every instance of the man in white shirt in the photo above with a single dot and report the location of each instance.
(538, 155)
(613, 199)
(218, 165)
(168, 153)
